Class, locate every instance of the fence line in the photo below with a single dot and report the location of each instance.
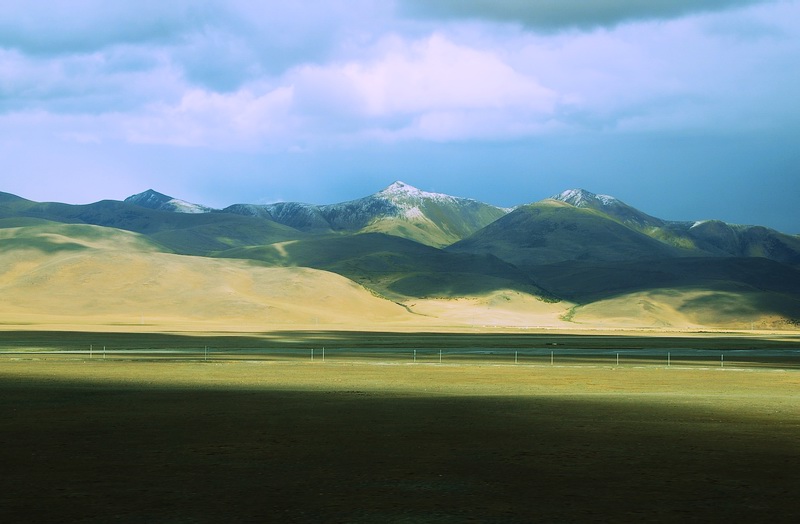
(784, 359)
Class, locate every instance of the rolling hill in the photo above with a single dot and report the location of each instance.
(83, 275)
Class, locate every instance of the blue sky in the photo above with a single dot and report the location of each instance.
(685, 109)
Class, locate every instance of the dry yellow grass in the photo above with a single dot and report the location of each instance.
(124, 280)
(503, 308)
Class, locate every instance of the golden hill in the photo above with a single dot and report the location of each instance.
(83, 275)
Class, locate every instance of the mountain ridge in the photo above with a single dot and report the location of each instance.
(434, 219)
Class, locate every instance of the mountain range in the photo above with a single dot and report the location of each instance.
(575, 259)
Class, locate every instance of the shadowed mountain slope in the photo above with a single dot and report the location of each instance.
(395, 266)
(588, 281)
(720, 239)
(680, 292)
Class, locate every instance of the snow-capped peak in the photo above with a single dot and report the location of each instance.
(149, 198)
(583, 198)
(154, 200)
(403, 190)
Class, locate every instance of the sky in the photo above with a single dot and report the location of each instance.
(684, 109)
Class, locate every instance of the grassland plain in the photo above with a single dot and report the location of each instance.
(365, 440)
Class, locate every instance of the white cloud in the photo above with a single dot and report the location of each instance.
(434, 85)
(683, 74)
(243, 119)
(430, 88)
(436, 74)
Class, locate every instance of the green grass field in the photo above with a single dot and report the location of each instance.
(366, 440)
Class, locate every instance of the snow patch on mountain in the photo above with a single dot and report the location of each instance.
(181, 206)
(154, 200)
(399, 191)
(413, 213)
(583, 198)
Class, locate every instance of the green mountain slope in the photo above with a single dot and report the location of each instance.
(611, 207)
(709, 237)
(400, 210)
(550, 231)
(197, 234)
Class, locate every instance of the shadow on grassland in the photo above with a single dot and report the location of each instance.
(195, 342)
(590, 281)
(81, 451)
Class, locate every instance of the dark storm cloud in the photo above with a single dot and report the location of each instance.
(556, 15)
(83, 26)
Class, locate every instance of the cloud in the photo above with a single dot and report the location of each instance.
(431, 85)
(216, 44)
(557, 15)
(429, 88)
(243, 119)
(121, 80)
